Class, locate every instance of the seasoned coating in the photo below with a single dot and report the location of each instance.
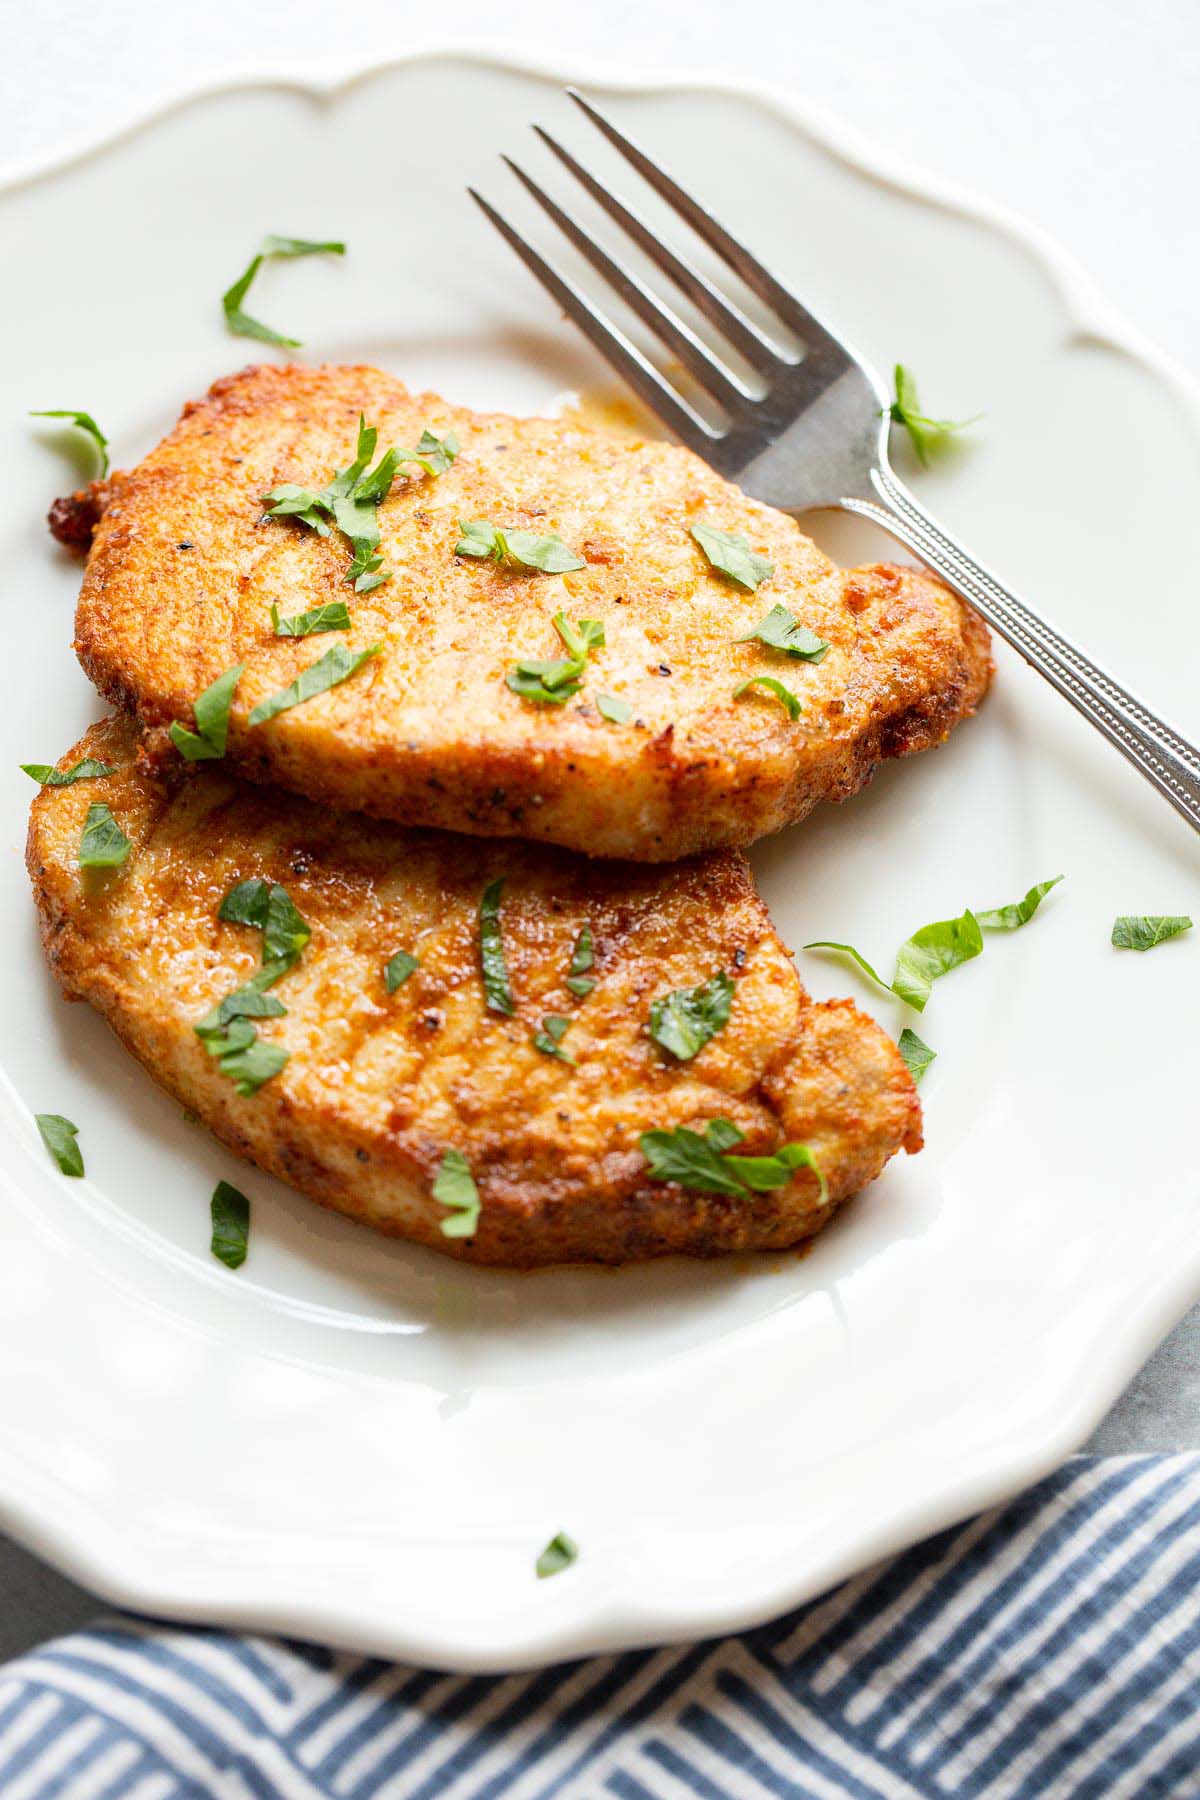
(185, 567)
(379, 1086)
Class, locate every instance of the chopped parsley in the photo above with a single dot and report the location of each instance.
(549, 1039)
(207, 742)
(583, 958)
(704, 1164)
(917, 1055)
(87, 769)
(730, 553)
(943, 945)
(491, 951)
(1142, 931)
(60, 1138)
(781, 630)
(684, 1021)
(614, 709)
(558, 1555)
(84, 422)
(329, 671)
(925, 434)
(350, 500)
(268, 908)
(333, 616)
(500, 544)
(784, 695)
(227, 1031)
(553, 683)
(454, 1188)
(230, 1212)
(240, 323)
(103, 844)
(397, 970)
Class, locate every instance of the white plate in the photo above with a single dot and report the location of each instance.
(356, 1441)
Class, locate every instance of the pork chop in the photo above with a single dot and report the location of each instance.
(384, 1076)
(657, 750)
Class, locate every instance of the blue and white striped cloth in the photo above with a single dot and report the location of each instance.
(1049, 1650)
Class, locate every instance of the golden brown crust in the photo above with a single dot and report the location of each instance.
(185, 567)
(378, 1086)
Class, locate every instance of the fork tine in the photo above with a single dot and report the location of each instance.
(728, 319)
(694, 355)
(612, 344)
(760, 281)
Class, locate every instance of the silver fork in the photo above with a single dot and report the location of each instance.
(816, 437)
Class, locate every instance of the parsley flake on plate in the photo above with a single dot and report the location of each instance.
(329, 671)
(230, 1213)
(398, 968)
(60, 1138)
(493, 966)
(87, 769)
(730, 554)
(558, 1555)
(917, 1055)
(499, 544)
(333, 616)
(240, 323)
(1142, 931)
(925, 434)
(583, 958)
(784, 695)
(84, 422)
(455, 1189)
(935, 949)
(207, 743)
(704, 1164)
(781, 630)
(684, 1021)
(549, 1039)
(103, 844)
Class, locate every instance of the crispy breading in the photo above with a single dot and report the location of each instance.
(185, 567)
(379, 1085)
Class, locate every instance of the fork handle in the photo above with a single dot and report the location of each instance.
(1164, 757)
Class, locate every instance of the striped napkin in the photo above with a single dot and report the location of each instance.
(1049, 1650)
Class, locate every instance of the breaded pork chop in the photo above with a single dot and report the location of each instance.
(186, 565)
(380, 1085)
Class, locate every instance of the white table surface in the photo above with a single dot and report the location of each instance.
(1081, 114)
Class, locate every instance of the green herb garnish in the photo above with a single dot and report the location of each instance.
(455, 1188)
(333, 616)
(87, 769)
(397, 969)
(250, 1001)
(917, 1055)
(704, 1164)
(240, 323)
(549, 1039)
(558, 1555)
(1142, 931)
(730, 553)
(233, 1042)
(268, 908)
(337, 665)
(491, 951)
(935, 949)
(683, 1022)
(578, 980)
(59, 1137)
(614, 709)
(782, 631)
(230, 1211)
(925, 434)
(784, 695)
(85, 422)
(548, 554)
(103, 844)
(553, 683)
(207, 742)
